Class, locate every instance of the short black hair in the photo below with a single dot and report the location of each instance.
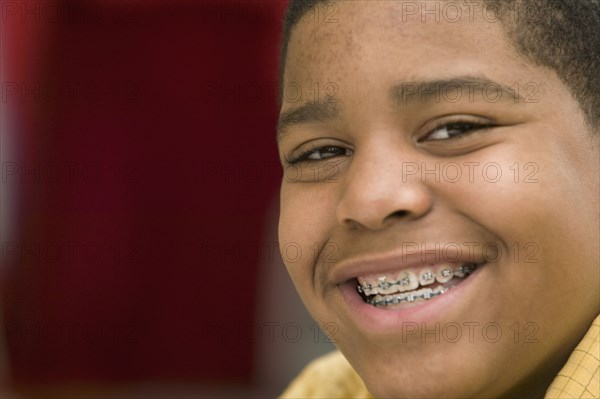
(563, 35)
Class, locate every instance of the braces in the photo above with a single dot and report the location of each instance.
(460, 272)
(426, 293)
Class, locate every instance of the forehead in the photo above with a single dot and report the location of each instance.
(382, 40)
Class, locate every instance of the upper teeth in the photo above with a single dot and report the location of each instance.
(408, 280)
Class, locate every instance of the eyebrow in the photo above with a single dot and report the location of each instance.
(453, 90)
(410, 92)
(309, 112)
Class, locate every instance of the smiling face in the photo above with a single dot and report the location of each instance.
(415, 147)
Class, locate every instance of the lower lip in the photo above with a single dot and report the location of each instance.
(375, 319)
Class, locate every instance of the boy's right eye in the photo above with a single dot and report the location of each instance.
(321, 153)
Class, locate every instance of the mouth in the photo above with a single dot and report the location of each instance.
(380, 292)
(410, 287)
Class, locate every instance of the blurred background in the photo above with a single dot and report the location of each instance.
(139, 201)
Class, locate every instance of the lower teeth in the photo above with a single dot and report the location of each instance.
(425, 294)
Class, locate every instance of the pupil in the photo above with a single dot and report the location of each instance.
(457, 128)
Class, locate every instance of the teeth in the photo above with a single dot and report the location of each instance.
(427, 293)
(408, 281)
(464, 270)
(423, 294)
(402, 286)
(387, 287)
(426, 277)
(444, 274)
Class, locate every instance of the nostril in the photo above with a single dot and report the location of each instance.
(352, 224)
(399, 214)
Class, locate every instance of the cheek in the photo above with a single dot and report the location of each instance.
(307, 216)
(512, 193)
(537, 204)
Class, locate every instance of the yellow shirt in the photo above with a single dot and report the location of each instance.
(331, 376)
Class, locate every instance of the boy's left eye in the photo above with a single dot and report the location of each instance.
(326, 152)
(452, 130)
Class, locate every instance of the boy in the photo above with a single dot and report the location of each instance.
(441, 179)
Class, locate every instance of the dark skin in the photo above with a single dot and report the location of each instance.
(370, 204)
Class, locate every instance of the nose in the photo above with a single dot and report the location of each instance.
(378, 192)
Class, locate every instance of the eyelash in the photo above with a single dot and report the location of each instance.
(472, 126)
(303, 157)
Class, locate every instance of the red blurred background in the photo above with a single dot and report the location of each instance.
(140, 179)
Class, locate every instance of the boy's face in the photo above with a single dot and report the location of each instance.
(410, 182)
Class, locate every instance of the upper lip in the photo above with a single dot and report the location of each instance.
(381, 263)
